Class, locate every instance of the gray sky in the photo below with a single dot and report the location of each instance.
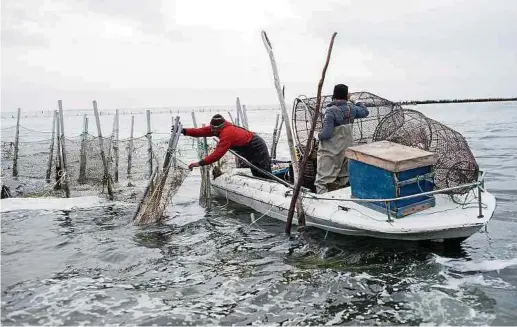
(129, 53)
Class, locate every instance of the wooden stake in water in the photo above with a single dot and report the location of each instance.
(150, 142)
(110, 145)
(245, 115)
(131, 149)
(308, 146)
(240, 114)
(201, 149)
(82, 159)
(275, 131)
(116, 144)
(238, 118)
(16, 143)
(63, 150)
(206, 177)
(58, 152)
(173, 143)
(288, 129)
(231, 117)
(107, 177)
(279, 133)
(51, 150)
(276, 139)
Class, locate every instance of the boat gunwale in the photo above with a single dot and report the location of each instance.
(314, 221)
(479, 183)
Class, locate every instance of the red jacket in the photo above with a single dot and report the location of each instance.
(230, 136)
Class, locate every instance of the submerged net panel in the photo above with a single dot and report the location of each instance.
(363, 129)
(159, 192)
(456, 164)
(165, 181)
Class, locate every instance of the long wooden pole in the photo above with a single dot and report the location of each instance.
(150, 142)
(131, 149)
(110, 145)
(285, 115)
(240, 114)
(206, 176)
(169, 157)
(308, 146)
(116, 144)
(16, 144)
(231, 117)
(279, 133)
(63, 149)
(238, 118)
(245, 115)
(275, 131)
(200, 152)
(58, 153)
(51, 150)
(288, 129)
(107, 176)
(82, 160)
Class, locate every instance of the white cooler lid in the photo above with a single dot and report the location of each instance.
(391, 156)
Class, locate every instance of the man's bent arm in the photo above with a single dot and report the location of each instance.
(199, 132)
(220, 150)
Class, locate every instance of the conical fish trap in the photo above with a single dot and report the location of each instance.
(456, 164)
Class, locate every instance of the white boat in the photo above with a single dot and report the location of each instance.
(338, 212)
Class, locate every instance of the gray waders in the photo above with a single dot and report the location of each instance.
(332, 172)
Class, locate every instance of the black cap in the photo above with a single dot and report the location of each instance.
(340, 92)
(217, 121)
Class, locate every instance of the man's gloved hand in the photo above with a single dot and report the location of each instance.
(183, 130)
(315, 140)
(193, 165)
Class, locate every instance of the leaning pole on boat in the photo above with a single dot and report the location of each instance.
(308, 146)
(288, 129)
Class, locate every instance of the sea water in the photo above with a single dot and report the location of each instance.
(65, 264)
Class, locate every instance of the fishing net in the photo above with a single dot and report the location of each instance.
(164, 183)
(38, 163)
(456, 164)
(363, 129)
(161, 188)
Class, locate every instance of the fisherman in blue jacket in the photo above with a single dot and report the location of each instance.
(334, 138)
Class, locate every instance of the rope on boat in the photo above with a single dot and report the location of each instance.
(265, 214)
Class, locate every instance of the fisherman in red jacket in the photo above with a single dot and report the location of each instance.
(245, 143)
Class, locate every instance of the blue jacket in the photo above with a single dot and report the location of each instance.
(338, 113)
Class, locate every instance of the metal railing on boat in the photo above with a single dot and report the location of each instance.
(479, 184)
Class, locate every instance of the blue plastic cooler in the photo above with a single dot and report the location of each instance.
(382, 170)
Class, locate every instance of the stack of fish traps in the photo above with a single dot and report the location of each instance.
(456, 164)
(389, 121)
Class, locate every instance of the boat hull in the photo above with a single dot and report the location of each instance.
(338, 213)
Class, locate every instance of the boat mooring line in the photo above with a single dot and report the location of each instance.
(263, 215)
